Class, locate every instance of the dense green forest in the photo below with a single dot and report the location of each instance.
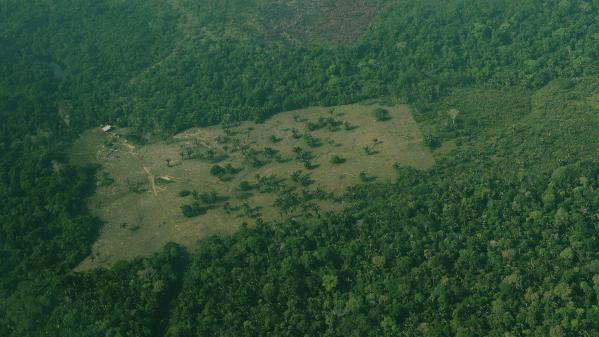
(500, 238)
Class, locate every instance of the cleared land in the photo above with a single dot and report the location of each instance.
(332, 20)
(295, 164)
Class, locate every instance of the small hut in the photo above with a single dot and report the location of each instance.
(107, 128)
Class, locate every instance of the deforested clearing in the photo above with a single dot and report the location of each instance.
(207, 181)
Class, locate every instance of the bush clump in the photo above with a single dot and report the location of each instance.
(217, 171)
(193, 210)
(336, 160)
(381, 114)
(245, 186)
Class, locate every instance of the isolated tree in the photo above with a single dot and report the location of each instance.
(453, 114)
(217, 171)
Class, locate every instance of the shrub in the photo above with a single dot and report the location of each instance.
(369, 150)
(184, 193)
(229, 169)
(295, 134)
(269, 152)
(269, 184)
(312, 141)
(311, 126)
(381, 114)
(309, 165)
(349, 126)
(302, 179)
(432, 142)
(245, 186)
(336, 160)
(209, 197)
(365, 178)
(193, 210)
(301, 155)
(217, 171)
(137, 185)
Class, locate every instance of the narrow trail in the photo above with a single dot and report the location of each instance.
(152, 180)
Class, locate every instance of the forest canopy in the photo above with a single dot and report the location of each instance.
(498, 239)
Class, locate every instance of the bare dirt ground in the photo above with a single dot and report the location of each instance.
(139, 200)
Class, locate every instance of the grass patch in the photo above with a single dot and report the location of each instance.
(226, 176)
